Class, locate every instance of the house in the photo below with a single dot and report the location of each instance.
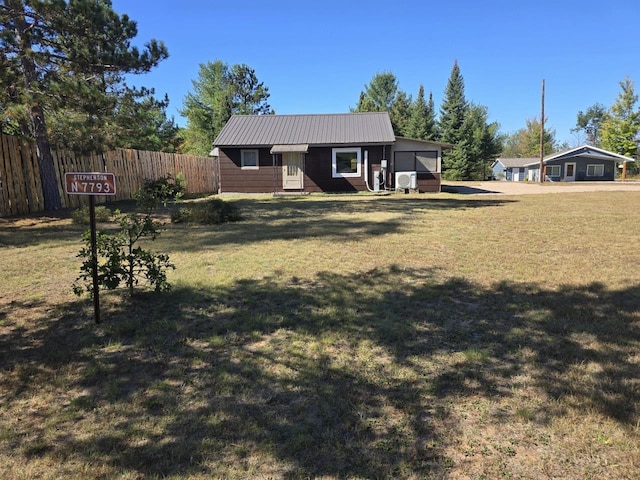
(322, 153)
(510, 169)
(585, 163)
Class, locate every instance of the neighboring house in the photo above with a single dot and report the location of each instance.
(510, 169)
(322, 153)
(585, 163)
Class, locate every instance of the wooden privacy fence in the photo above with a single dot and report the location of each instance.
(21, 188)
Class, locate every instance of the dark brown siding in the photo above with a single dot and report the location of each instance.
(317, 168)
(429, 182)
(234, 179)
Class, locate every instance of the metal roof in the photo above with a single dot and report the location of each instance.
(317, 129)
(516, 162)
(584, 151)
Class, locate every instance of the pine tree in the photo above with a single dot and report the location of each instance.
(454, 107)
(431, 124)
(422, 122)
(463, 124)
(455, 164)
(68, 58)
(400, 114)
(485, 144)
(379, 94)
(219, 92)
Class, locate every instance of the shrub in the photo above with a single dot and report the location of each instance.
(81, 215)
(209, 212)
(121, 261)
(160, 191)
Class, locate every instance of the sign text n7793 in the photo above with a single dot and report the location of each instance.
(89, 183)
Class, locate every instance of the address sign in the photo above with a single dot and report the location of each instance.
(89, 183)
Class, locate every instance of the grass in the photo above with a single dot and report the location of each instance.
(431, 336)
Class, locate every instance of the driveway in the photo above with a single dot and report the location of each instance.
(531, 188)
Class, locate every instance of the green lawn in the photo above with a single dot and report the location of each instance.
(335, 337)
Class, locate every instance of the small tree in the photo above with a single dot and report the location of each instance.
(121, 260)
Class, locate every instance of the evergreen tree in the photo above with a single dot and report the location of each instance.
(141, 123)
(484, 141)
(400, 113)
(622, 124)
(454, 107)
(65, 57)
(463, 124)
(431, 124)
(379, 94)
(247, 95)
(422, 122)
(219, 92)
(456, 164)
(382, 94)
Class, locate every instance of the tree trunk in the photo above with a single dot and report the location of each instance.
(45, 159)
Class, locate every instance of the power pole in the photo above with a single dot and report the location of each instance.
(542, 137)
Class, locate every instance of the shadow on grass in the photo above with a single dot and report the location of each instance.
(345, 376)
(292, 219)
(270, 218)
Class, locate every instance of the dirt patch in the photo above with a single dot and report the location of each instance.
(531, 188)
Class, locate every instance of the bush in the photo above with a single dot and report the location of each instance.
(160, 191)
(210, 212)
(121, 261)
(81, 215)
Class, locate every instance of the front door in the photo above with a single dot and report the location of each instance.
(570, 172)
(292, 173)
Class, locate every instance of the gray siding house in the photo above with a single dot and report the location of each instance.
(322, 153)
(510, 169)
(585, 163)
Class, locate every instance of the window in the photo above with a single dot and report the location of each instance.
(595, 170)
(249, 159)
(345, 162)
(416, 161)
(553, 170)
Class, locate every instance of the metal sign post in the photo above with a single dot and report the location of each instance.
(92, 184)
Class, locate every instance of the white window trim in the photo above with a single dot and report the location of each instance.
(555, 167)
(249, 167)
(601, 165)
(334, 167)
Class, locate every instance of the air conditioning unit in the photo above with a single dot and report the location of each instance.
(406, 180)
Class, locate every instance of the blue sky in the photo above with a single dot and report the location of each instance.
(316, 57)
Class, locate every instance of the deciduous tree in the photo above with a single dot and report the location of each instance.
(622, 124)
(590, 122)
(525, 142)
